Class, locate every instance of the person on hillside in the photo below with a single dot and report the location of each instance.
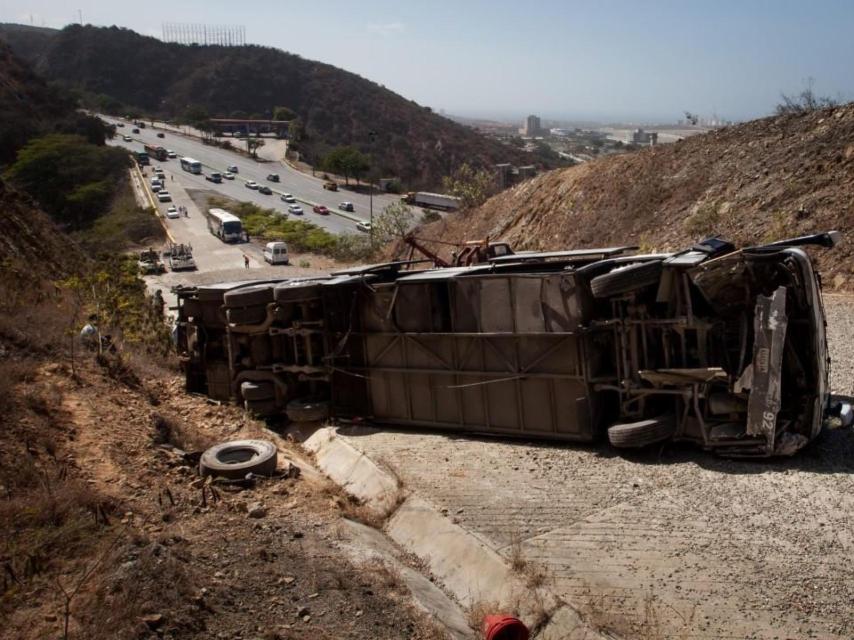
(89, 334)
(158, 302)
(245, 261)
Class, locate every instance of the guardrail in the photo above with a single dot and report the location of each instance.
(150, 196)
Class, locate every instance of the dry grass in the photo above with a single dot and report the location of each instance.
(604, 613)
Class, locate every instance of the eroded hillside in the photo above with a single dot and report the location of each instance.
(760, 181)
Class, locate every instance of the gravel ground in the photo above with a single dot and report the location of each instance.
(840, 337)
(675, 543)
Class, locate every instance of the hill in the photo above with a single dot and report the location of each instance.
(334, 106)
(30, 106)
(760, 181)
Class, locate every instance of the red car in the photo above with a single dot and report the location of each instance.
(319, 208)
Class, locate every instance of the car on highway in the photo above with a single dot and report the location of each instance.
(156, 186)
(287, 197)
(164, 196)
(251, 184)
(273, 177)
(321, 209)
(228, 175)
(346, 206)
(127, 138)
(295, 209)
(364, 226)
(171, 154)
(232, 168)
(160, 134)
(120, 124)
(172, 211)
(135, 131)
(267, 191)
(330, 186)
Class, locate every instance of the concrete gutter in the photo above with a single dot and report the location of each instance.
(472, 572)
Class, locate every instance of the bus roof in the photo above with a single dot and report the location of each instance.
(188, 159)
(222, 215)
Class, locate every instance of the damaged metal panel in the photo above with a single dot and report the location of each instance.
(769, 324)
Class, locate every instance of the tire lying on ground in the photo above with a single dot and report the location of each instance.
(235, 459)
(632, 277)
(256, 294)
(307, 410)
(252, 391)
(630, 435)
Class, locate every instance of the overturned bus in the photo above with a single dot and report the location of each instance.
(714, 345)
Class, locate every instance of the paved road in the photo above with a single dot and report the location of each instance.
(304, 187)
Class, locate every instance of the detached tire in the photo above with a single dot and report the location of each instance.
(307, 410)
(633, 435)
(633, 277)
(233, 460)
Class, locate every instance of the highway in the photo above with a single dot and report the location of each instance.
(306, 189)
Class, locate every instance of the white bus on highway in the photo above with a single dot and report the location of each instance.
(193, 166)
(224, 225)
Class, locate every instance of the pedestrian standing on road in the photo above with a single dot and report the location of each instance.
(245, 261)
(171, 177)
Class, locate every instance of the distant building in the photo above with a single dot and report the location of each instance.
(506, 174)
(533, 127)
(641, 137)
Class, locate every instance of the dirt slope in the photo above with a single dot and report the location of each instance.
(759, 181)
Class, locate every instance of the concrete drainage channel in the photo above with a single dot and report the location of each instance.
(473, 573)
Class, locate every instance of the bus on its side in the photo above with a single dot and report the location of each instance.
(224, 225)
(193, 166)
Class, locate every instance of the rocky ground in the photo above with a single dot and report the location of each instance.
(173, 557)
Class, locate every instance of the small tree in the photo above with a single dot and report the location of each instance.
(805, 101)
(470, 185)
(393, 223)
(346, 161)
(252, 145)
(283, 113)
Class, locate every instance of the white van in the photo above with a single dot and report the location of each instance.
(276, 253)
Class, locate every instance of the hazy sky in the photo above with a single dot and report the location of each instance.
(595, 59)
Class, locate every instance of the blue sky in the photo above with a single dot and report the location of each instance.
(598, 59)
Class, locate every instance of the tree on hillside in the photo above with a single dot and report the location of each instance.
(470, 185)
(805, 101)
(393, 223)
(347, 161)
(296, 131)
(196, 116)
(283, 113)
(74, 181)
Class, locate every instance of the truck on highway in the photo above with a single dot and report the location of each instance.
(214, 176)
(224, 225)
(141, 158)
(191, 165)
(156, 151)
(432, 200)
